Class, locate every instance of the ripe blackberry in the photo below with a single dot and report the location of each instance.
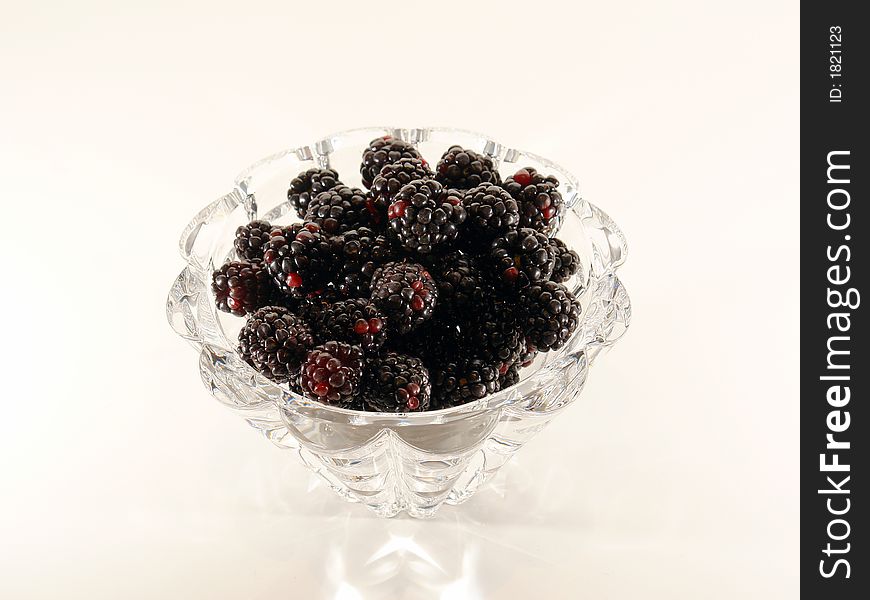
(461, 285)
(405, 293)
(340, 209)
(398, 383)
(275, 342)
(567, 261)
(358, 253)
(425, 217)
(463, 381)
(541, 204)
(395, 176)
(464, 169)
(332, 373)
(522, 257)
(549, 314)
(383, 151)
(356, 321)
(308, 184)
(251, 239)
(314, 303)
(300, 259)
(493, 334)
(436, 342)
(509, 378)
(242, 287)
(491, 212)
(528, 356)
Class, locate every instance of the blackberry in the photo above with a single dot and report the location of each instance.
(425, 217)
(464, 169)
(314, 303)
(358, 253)
(491, 212)
(541, 204)
(242, 287)
(436, 341)
(395, 176)
(356, 321)
(342, 208)
(405, 293)
(549, 315)
(509, 378)
(567, 261)
(398, 383)
(332, 373)
(275, 342)
(308, 184)
(300, 259)
(494, 335)
(461, 285)
(522, 257)
(251, 239)
(383, 151)
(464, 381)
(528, 355)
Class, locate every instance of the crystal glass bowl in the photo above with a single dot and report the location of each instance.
(395, 462)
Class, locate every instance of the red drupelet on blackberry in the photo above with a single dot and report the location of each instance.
(491, 212)
(305, 186)
(549, 314)
(567, 262)
(463, 381)
(395, 176)
(300, 259)
(242, 287)
(464, 169)
(522, 257)
(541, 204)
(332, 373)
(275, 342)
(406, 293)
(398, 383)
(356, 321)
(383, 151)
(342, 208)
(425, 217)
(251, 239)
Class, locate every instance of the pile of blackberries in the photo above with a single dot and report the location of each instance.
(429, 290)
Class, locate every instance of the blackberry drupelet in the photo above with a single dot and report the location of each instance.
(356, 321)
(332, 373)
(398, 383)
(461, 284)
(251, 239)
(300, 259)
(436, 341)
(528, 356)
(342, 208)
(383, 151)
(464, 169)
(275, 342)
(567, 262)
(491, 212)
(358, 253)
(405, 293)
(522, 257)
(395, 176)
(541, 204)
(463, 381)
(425, 217)
(549, 315)
(243, 287)
(308, 184)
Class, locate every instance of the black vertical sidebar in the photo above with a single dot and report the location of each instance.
(835, 222)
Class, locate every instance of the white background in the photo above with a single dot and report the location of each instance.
(676, 474)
